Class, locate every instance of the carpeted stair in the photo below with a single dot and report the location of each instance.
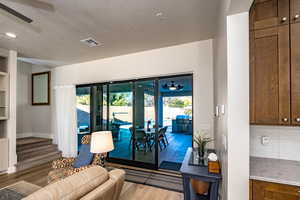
(32, 151)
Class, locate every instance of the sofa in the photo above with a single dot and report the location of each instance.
(94, 183)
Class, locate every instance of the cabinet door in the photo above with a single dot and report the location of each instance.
(270, 76)
(269, 13)
(295, 73)
(272, 191)
(295, 11)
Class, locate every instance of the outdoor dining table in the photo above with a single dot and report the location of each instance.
(150, 135)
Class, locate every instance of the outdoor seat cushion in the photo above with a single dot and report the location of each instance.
(85, 156)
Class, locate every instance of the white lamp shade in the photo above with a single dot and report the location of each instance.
(102, 142)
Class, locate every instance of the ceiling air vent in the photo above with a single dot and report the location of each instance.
(91, 42)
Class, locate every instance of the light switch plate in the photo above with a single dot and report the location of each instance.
(222, 109)
(265, 140)
(225, 142)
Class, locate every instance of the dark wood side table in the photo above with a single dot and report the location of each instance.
(199, 173)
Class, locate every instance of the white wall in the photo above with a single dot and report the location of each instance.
(231, 81)
(238, 106)
(220, 93)
(193, 57)
(284, 142)
(24, 125)
(31, 120)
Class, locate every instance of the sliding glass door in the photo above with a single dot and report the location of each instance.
(120, 119)
(150, 119)
(144, 123)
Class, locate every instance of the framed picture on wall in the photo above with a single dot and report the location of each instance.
(41, 88)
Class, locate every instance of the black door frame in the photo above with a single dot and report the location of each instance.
(156, 93)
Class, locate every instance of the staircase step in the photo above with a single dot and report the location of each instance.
(38, 160)
(38, 148)
(36, 151)
(31, 142)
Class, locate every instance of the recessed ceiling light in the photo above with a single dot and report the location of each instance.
(159, 14)
(11, 35)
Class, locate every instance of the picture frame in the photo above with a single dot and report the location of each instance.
(41, 88)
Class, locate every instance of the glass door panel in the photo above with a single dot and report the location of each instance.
(96, 105)
(83, 108)
(120, 107)
(104, 108)
(144, 115)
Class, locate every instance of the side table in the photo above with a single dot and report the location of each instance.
(199, 173)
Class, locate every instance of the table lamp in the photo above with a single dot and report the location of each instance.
(102, 142)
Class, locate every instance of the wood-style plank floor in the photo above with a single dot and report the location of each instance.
(131, 191)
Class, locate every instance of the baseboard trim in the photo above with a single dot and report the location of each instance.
(11, 170)
(23, 135)
(40, 135)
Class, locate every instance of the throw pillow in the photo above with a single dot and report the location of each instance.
(85, 156)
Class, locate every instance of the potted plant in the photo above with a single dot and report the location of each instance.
(202, 140)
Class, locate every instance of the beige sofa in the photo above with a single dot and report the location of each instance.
(92, 183)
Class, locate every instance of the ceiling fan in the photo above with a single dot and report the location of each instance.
(33, 3)
(173, 86)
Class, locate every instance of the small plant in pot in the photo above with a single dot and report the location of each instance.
(202, 140)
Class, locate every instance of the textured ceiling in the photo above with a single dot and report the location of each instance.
(122, 26)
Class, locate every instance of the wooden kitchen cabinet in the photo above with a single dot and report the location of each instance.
(261, 190)
(270, 76)
(295, 73)
(294, 11)
(269, 13)
(275, 63)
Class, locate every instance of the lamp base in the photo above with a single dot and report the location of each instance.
(102, 160)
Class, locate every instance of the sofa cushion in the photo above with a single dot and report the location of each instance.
(72, 187)
(85, 156)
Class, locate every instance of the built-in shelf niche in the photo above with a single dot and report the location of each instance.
(4, 89)
(3, 64)
(3, 129)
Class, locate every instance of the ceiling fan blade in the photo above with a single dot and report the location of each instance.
(35, 4)
(15, 13)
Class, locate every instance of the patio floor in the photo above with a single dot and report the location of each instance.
(174, 152)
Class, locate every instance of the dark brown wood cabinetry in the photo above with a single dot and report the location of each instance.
(270, 70)
(295, 73)
(260, 190)
(275, 63)
(269, 13)
(295, 11)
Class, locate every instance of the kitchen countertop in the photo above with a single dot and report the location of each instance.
(275, 170)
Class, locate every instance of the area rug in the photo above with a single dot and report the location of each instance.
(7, 194)
(170, 165)
(168, 182)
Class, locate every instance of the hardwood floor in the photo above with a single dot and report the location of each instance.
(131, 191)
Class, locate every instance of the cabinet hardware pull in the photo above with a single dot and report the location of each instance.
(283, 19)
(285, 119)
(296, 17)
(297, 119)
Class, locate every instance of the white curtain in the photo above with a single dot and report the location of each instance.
(65, 120)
